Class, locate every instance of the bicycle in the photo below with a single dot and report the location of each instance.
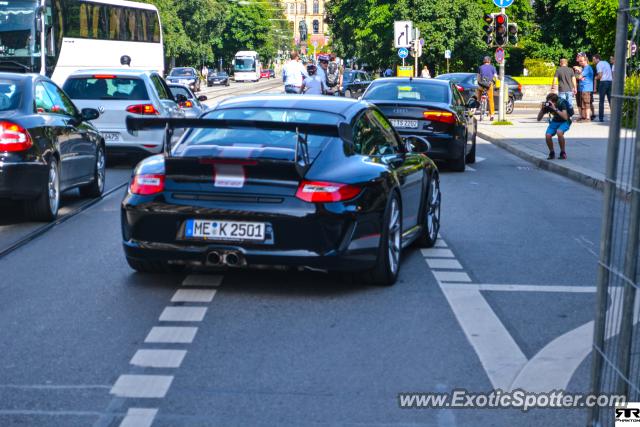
(484, 101)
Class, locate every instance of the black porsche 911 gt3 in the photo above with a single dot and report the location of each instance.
(295, 181)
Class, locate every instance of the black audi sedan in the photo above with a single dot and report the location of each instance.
(218, 78)
(354, 83)
(432, 109)
(468, 85)
(304, 182)
(46, 145)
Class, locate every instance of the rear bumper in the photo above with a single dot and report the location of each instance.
(144, 142)
(22, 180)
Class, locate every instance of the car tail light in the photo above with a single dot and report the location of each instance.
(325, 192)
(460, 88)
(14, 137)
(439, 116)
(104, 76)
(147, 184)
(143, 109)
(186, 104)
(520, 87)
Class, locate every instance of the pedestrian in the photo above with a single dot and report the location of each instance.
(314, 84)
(333, 73)
(425, 73)
(612, 62)
(293, 74)
(205, 72)
(323, 73)
(388, 72)
(604, 79)
(486, 76)
(566, 80)
(560, 113)
(585, 87)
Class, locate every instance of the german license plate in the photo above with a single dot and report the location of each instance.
(111, 136)
(413, 124)
(224, 230)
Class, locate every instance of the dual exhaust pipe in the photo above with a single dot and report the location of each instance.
(226, 258)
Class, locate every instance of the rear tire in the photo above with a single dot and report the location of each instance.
(45, 206)
(471, 156)
(385, 273)
(459, 164)
(153, 267)
(96, 188)
(432, 215)
(510, 105)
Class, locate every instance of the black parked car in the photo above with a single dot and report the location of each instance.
(469, 84)
(354, 83)
(331, 185)
(185, 76)
(218, 78)
(46, 145)
(432, 109)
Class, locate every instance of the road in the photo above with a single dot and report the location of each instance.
(88, 342)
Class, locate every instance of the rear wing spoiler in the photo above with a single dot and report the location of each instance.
(342, 130)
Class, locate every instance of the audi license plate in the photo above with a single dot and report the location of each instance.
(413, 124)
(224, 230)
(111, 136)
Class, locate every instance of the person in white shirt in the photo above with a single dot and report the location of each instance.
(425, 73)
(293, 74)
(314, 84)
(604, 79)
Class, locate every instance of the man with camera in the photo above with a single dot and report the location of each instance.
(560, 113)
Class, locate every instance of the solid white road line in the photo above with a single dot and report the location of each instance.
(194, 295)
(451, 276)
(183, 314)
(158, 358)
(204, 280)
(437, 253)
(523, 288)
(142, 386)
(444, 263)
(171, 334)
(440, 244)
(499, 354)
(139, 417)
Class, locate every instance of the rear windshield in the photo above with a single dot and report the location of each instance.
(392, 91)
(111, 88)
(256, 143)
(10, 94)
(179, 91)
(182, 72)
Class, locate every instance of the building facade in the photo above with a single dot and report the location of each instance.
(312, 14)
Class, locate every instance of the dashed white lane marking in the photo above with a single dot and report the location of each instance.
(194, 295)
(183, 314)
(440, 244)
(437, 253)
(480, 159)
(158, 358)
(470, 168)
(171, 334)
(522, 288)
(142, 386)
(203, 280)
(444, 263)
(139, 417)
(451, 276)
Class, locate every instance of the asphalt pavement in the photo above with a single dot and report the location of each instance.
(504, 301)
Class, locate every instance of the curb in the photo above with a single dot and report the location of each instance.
(582, 176)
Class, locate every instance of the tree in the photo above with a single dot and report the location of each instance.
(601, 27)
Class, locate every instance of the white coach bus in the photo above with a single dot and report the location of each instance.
(246, 66)
(78, 34)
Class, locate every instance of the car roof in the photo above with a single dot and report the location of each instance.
(410, 80)
(453, 75)
(127, 72)
(21, 77)
(345, 107)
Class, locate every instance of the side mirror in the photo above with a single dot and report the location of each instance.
(416, 144)
(88, 114)
(472, 103)
(180, 98)
(202, 98)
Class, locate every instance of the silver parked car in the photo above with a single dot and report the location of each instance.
(188, 101)
(117, 94)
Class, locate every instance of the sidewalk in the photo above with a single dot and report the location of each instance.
(586, 146)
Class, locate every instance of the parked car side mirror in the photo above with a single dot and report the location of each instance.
(416, 144)
(202, 98)
(88, 114)
(472, 103)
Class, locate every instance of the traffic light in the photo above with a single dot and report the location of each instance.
(513, 34)
(488, 29)
(501, 22)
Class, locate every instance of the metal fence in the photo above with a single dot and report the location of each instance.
(616, 345)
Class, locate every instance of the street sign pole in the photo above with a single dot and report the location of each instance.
(501, 116)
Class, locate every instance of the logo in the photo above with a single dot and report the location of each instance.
(630, 414)
(101, 109)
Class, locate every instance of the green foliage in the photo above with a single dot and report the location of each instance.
(502, 123)
(539, 67)
(630, 105)
(601, 25)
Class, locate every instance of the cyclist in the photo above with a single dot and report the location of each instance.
(487, 74)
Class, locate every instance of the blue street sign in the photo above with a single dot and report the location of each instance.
(403, 52)
(503, 3)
